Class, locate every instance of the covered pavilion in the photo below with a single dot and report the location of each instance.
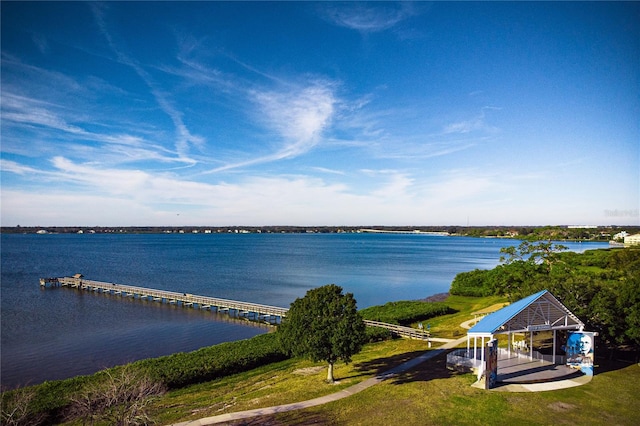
(539, 312)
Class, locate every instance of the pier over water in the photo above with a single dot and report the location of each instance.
(252, 311)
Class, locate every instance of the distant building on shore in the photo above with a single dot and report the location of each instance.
(632, 240)
(620, 236)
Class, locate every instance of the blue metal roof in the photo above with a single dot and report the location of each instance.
(492, 322)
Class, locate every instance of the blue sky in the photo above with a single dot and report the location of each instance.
(287, 113)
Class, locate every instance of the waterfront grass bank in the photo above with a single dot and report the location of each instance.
(430, 394)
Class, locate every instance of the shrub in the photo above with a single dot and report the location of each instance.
(476, 283)
(378, 334)
(213, 362)
(47, 403)
(405, 312)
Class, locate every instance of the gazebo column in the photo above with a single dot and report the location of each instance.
(554, 346)
(531, 344)
(475, 349)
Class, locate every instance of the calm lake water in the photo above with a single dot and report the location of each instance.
(50, 334)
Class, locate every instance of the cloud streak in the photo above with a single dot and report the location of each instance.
(33, 115)
(477, 123)
(296, 116)
(368, 17)
(184, 138)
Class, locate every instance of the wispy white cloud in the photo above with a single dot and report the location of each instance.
(17, 168)
(476, 123)
(113, 196)
(31, 114)
(41, 43)
(297, 117)
(367, 17)
(184, 138)
(329, 171)
(107, 195)
(26, 111)
(42, 82)
(405, 133)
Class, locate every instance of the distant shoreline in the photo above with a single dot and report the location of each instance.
(532, 233)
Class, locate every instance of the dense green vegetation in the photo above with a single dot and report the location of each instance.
(173, 371)
(602, 287)
(546, 233)
(405, 312)
(182, 369)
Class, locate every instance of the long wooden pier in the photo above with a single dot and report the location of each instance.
(251, 311)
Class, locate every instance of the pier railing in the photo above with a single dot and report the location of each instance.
(408, 332)
(248, 310)
(252, 311)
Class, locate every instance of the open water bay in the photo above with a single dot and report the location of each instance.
(50, 334)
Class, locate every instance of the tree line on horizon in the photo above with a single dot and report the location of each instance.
(535, 233)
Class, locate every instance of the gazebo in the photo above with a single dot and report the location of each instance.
(539, 312)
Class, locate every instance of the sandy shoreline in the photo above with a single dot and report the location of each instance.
(439, 297)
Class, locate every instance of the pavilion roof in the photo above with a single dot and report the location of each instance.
(540, 311)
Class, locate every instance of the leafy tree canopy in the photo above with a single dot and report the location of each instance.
(602, 287)
(537, 253)
(324, 325)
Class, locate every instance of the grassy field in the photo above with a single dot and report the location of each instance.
(428, 395)
(448, 326)
(281, 383)
(433, 396)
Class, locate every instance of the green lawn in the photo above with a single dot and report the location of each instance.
(448, 326)
(428, 395)
(431, 395)
(281, 383)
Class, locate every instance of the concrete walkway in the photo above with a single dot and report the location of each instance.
(539, 387)
(222, 418)
(468, 324)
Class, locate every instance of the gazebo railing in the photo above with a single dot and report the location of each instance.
(463, 360)
(533, 355)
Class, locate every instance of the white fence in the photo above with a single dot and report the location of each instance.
(463, 359)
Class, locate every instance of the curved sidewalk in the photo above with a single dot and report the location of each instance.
(540, 387)
(327, 398)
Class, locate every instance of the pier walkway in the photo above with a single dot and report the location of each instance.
(251, 311)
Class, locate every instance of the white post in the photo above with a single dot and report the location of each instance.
(475, 343)
(554, 346)
(531, 345)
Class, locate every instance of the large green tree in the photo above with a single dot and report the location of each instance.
(324, 325)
